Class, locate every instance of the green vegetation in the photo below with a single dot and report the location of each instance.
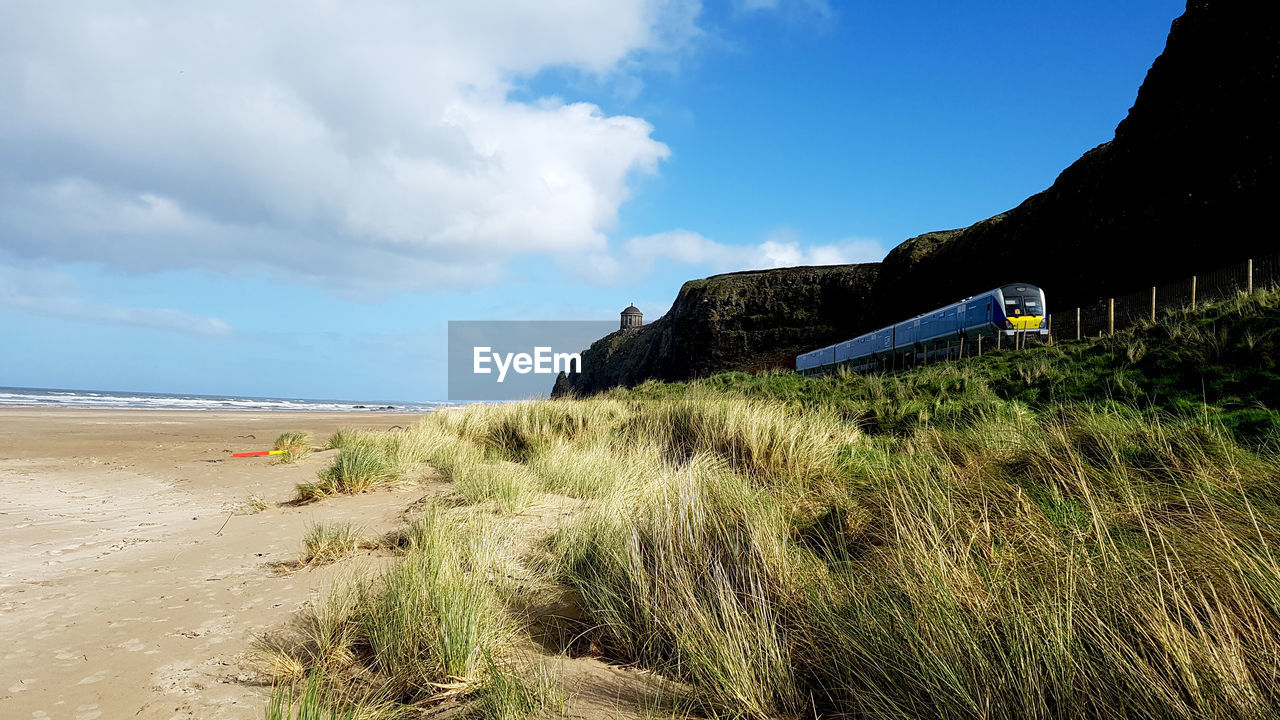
(507, 485)
(297, 445)
(428, 630)
(1217, 363)
(328, 543)
(366, 460)
(341, 438)
(312, 700)
(1087, 530)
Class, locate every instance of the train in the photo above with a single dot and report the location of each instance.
(1014, 310)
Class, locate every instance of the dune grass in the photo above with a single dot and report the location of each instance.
(508, 486)
(679, 573)
(762, 440)
(366, 460)
(1089, 564)
(341, 438)
(313, 698)
(309, 702)
(296, 444)
(1063, 533)
(329, 543)
(589, 470)
(428, 630)
(1103, 567)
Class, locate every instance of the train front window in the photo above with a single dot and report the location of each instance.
(1019, 305)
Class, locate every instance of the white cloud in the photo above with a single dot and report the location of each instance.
(52, 294)
(781, 248)
(367, 146)
(813, 8)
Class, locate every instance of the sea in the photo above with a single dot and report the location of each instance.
(115, 400)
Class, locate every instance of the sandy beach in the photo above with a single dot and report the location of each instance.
(134, 578)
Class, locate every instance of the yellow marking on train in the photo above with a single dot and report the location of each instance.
(1025, 322)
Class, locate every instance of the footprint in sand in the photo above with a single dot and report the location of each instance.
(88, 712)
(21, 685)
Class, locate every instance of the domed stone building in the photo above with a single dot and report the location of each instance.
(631, 318)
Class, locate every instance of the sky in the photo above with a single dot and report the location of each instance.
(292, 199)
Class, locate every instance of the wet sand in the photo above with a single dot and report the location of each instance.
(132, 577)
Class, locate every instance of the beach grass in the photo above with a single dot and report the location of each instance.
(1046, 535)
(1090, 564)
(367, 461)
(341, 438)
(295, 444)
(326, 543)
(429, 629)
(509, 487)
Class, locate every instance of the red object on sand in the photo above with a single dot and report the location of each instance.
(260, 453)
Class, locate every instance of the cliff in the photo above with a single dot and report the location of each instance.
(1188, 183)
(736, 321)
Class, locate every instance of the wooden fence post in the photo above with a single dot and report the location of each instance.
(979, 344)
(1193, 292)
(1111, 316)
(999, 335)
(1153, 304)
(1077, 323)
(1049, 326)
(1249, 272)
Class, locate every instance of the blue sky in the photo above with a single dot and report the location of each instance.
(294, 201)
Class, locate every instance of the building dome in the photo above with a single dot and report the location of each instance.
(632, 318)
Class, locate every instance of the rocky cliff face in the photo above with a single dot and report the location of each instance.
(738, 321)
(1189, 183)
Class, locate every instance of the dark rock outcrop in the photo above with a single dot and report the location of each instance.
(1189, 184)
(739, 321)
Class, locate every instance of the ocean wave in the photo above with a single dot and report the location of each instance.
(35, 397)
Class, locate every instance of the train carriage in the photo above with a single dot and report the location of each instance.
(1010, 310)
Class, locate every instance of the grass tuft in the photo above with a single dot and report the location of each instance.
(681, 574)
(342, 437)
(508, 486)
(359, 467)
(430, 629)
(329, 543)
(297, 445)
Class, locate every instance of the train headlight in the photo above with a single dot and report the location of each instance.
(1043, 322)
(1008, 324)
